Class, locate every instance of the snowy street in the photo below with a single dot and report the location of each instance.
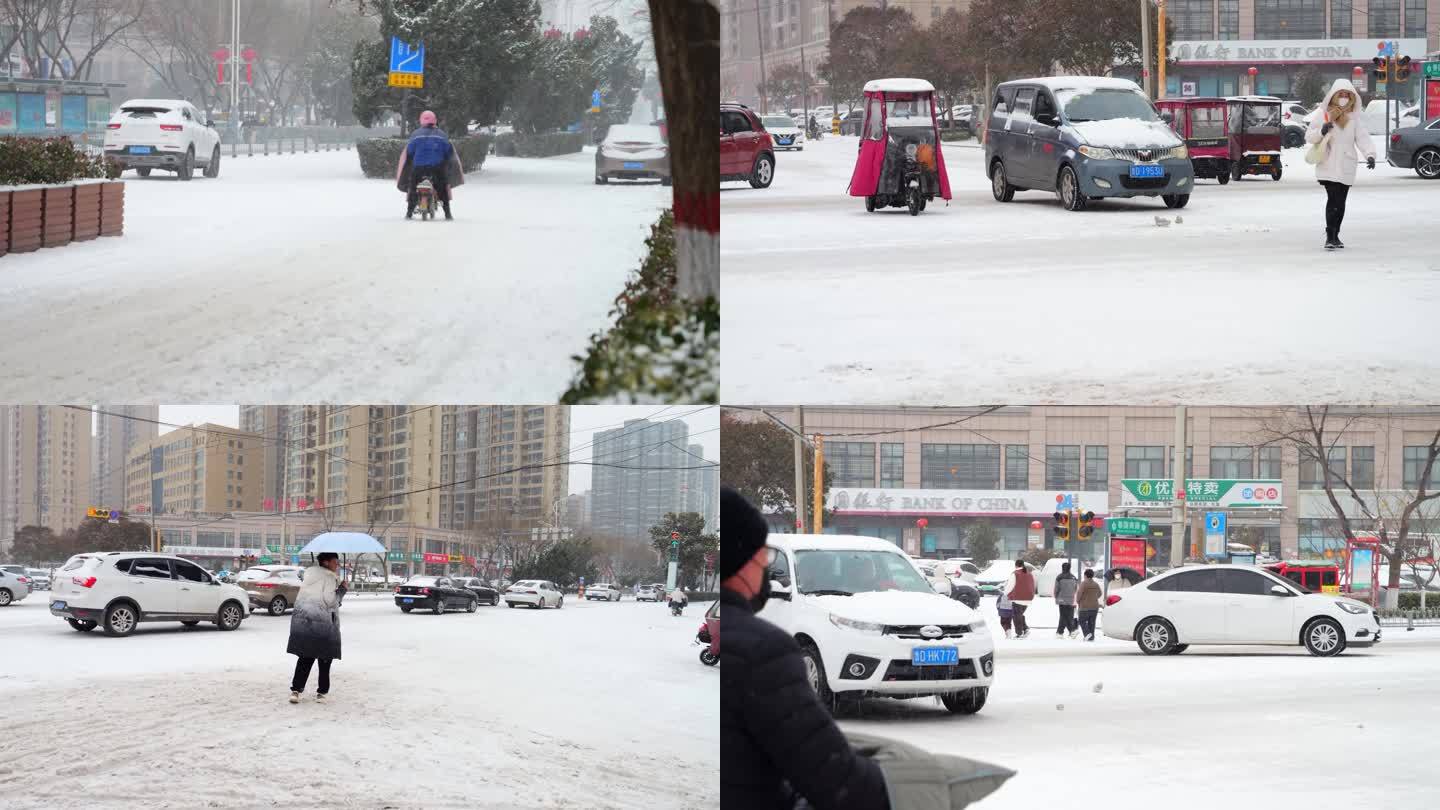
(988, 302)
(292, 277)
(597, 704)
(1212, 727)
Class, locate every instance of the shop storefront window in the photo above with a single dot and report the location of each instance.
(1290, 19)
(1062, 466)
(1017, 466)
(1312, 477)
(1194, 19)
(1229, 20)
(851, 463)
(1231, 462)
(1362, 467)
(1341, 19)
(892, 465)
(1097, 468)
(1319, 536)
(1384, 16)
(1145, 462)
(1269, 467)
(1415, 465)
(1415, 18)
(960, 466)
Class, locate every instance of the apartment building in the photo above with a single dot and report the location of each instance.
(119, 429)
(489, 457)
(199, 470)
(45, 468)
(640, 474)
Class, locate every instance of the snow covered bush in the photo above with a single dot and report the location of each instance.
(661, 346)
(27, 161)
(380, 156)
(545, 144)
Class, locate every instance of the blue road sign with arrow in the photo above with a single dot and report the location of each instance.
(406, 58)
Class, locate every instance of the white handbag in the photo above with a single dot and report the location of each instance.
(1316, 153)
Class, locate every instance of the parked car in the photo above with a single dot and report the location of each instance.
(117, 590)
(784, 132)
(536, 593)
(632, 152)
(992, 579)
(486, 594)
(1292, 115)
(39, 578)
(746, 149)
(960, 569)
(435, 594)
(1083, 138)
(1417, 148)
(851, 121)
(868, 623)
(167, 134)
(272, 587)
(13, 586)
(647, 593)
(1235, 604)
(602, 591)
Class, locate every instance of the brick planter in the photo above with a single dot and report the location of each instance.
(59, 225)
(4, 222)
(87, 211)
(112, 208)
(27, 219)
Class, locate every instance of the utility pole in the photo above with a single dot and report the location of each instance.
(1145, 48)
(805, 94)
(1160, 51)
(1179, 538)
(760, 36)
(799, 470)
(818, 514)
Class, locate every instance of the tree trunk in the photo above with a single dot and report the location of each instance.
(687, 47)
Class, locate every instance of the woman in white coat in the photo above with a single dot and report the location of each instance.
(1342, 139)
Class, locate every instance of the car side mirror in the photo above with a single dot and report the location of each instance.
(780, 590)
(1048, 119)
(1168, 117)
(1280, 590)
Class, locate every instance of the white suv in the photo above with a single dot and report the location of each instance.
(166, 134)
(1235, 604)
(869, 623)
(116, 590)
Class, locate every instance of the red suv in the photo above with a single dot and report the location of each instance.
(746, 151)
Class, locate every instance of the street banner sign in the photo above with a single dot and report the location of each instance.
(1128, 526)
(1214, 535)
(407, 64)
(1127, 554)
(1202, 493)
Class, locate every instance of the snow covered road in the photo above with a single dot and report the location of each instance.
(597, 705)
(1026, 302)
(1100, 724)
(291, 278)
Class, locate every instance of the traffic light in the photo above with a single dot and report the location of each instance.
(1381, 70)
(1087, 525)
(1062, 525)
(1402, 69)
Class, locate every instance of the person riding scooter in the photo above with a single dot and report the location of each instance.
(678, 600)
(429, 154)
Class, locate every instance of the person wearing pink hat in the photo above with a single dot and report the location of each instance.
(428, 154)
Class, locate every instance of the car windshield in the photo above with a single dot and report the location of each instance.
(850, 572)
(772, 121)
(526, 583)
(1091, 104)
(911, 113)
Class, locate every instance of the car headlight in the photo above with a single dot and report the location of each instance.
(851, 624)
(1097, 152)
(1181, 152)
(1349, 608)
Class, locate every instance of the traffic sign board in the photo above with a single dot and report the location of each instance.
(406, 58)
(1128, 526)
(1432, 70)
(412, 80)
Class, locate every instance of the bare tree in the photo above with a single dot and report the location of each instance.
(1393, 515)
(59, 30)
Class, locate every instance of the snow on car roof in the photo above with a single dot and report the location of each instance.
(166, 103)
(1078, 83)
(831, 542)
(899, 86)
(1260, 99)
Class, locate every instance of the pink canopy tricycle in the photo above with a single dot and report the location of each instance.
(900, 163)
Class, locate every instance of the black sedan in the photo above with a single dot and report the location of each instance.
(486, 594)
(436, 594)
(1417, 148)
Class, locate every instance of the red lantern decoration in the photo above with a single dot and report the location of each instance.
(1252, 71)
(580, 33)
(1036, 525)
(220, 56)
(249, 55)
(922, 522)
(553, 33)
(1358, 71)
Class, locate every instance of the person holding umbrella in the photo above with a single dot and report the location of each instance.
(315, 625)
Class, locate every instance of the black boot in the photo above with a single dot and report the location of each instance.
(1329, 240)
(447, 211)
(1336, 240)
(410, 212)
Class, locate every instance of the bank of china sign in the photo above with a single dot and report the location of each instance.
(1358, 51)
(1136, 493)
(863, 501)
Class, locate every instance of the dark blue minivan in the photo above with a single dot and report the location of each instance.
(1083, 138)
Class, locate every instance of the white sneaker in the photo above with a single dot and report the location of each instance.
(294, 697)
(1074, 634)
(1009, 634)
(319, 698)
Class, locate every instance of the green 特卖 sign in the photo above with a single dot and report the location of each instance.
(1127, 526)
(1202, 492)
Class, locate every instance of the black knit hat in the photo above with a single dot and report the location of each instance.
(742, 532)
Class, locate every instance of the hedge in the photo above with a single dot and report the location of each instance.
(49, 161)
(548, 144)
(661, 347)
(380, 156)
(1410, 600)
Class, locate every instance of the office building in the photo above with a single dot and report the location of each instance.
(202, 470)
(45, 468)
(639, 475)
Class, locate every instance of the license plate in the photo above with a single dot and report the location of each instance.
(1147, 171)
(634, 164)
(408, 600)
(139, 150)
(934, 656)
(1264, 158)
(57, 605)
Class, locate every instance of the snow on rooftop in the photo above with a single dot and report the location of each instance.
(899, 86)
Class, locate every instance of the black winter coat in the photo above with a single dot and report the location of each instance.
(777, 741)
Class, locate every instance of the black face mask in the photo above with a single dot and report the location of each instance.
(757, 602)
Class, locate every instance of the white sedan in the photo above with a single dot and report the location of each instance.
(784, 132)
(536, 593)
(602, 590)
(1235, 604)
